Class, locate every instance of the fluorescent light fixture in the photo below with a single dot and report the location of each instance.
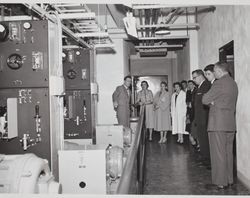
(70, 47)
(162, 30)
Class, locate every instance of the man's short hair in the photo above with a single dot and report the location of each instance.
(223, 66)
(191, 81)
(125, 78)
(184, 81)
(198, 71)
(209, 67)
(178, 83)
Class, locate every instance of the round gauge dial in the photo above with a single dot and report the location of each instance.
(26, 25)
(15, 61)
(4, 32)
(78, 53)
(63, 56)
(71, 74)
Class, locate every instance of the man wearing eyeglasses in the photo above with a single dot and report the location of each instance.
(201, 115)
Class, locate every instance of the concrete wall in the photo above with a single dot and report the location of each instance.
(111, 69)
(183, 63)
(192, 44)
(216, 29)
(193, 51)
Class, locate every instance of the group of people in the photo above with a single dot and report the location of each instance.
(203, 107)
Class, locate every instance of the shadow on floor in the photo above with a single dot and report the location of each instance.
(174, 169)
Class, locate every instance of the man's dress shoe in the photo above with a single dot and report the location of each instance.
(216, 187)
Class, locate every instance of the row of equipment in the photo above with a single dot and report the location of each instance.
(31, 89)
(47, 108)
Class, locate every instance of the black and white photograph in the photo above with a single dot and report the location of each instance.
(124, 98)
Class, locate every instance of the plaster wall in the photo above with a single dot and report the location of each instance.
(229, 23)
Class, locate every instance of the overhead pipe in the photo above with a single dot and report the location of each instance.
(172, 15)
(2, 12)
(37, 9)
(147, 22)
(196, 14)
(176, 16)
(187, 19)
(156, 13)
(140, 19)
(153, 13)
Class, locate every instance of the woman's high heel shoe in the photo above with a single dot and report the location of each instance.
(160, 141)
(164, 140)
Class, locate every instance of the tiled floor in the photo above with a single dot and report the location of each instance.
(173, 169)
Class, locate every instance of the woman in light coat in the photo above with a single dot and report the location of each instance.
(145, 98)
(162, 112)
(178, 112)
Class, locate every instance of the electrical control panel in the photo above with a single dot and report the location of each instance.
(79, 115)
(30, 118)
(24, 53)
(31, 86)
(80, 100)
(78, 68)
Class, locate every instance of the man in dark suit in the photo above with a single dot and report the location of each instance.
(222, 99)
(201, 115)
(121, 99)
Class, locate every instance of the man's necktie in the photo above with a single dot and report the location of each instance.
(176, 95)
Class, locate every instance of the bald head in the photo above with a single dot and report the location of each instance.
(220, 69)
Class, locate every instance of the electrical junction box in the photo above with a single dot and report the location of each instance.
(83, 171)
(109, 134)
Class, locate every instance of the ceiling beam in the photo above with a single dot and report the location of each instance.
(87, 15)
(73, 11)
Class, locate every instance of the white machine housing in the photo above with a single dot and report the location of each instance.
(86, 169)
(115, 135)
(26, 174)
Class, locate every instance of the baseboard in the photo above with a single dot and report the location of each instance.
(243, 179)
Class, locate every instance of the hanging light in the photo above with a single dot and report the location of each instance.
(162, 30)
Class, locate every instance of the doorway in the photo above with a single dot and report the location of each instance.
(226, 54)
(153, 82)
